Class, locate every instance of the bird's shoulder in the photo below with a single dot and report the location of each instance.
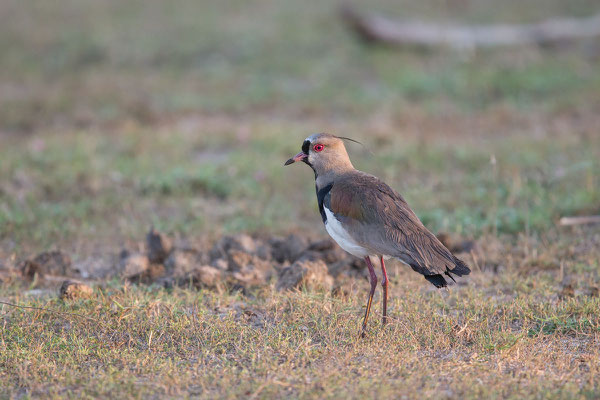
(366, 198)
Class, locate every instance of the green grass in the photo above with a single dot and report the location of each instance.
(79, 184)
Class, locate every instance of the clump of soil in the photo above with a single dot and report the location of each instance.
(159, 246)
(310, 274)
(71, 290)
(55, 263)
(133, 265)
(288, 249)
(236, 261)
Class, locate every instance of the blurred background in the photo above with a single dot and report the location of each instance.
(118, 115)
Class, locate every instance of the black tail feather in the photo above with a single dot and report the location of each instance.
(459, 269)
(450, 276)
(437, 280)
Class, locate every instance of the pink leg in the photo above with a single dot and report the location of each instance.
(384, 284)
(371, 293)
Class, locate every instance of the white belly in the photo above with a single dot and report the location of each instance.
(341, 236)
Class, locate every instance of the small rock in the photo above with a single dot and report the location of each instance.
(71, 290)
(199, 276)
(133, 265)
(328, 256)
(47, 263)
(207, 276)
(30, 268)
(312, 274)
(335, 254)
(159, 246)
(329, 251)
(310, 255)
(264, 251)
(238, 260)
(154, 272)
(322, 245)
(181, 263)
(221, 264)
(288, 249)
(241, 242)
(247, 269)
(54, 262)
(249, 277)
(185, 266)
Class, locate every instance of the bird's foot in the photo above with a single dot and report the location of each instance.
(363, 332)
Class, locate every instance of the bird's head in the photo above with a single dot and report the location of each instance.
(323, 153)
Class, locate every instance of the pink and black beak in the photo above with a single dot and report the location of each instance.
(302, 156)
(298, 157)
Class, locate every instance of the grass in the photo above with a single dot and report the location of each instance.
(95, 63)
(115, 116)
(130, 180)
(145, 341)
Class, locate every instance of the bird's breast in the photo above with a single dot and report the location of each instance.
(342, 237)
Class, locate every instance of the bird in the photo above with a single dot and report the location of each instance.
(370, 220)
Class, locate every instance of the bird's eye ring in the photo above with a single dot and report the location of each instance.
(318, 147)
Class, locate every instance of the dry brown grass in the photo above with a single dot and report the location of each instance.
(508, 331)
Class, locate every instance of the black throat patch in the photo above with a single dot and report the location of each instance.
(324, 200)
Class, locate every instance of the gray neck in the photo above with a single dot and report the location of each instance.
(324, 178)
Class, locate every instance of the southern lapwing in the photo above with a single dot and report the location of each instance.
(369, 219)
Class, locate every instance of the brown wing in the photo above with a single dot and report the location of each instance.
(379, 218)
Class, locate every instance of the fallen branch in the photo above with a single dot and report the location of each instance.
(588, 219)
(375, 28)
(49, 310)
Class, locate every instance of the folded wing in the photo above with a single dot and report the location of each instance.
(380, 219)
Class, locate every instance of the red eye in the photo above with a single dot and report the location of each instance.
(318, 147)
